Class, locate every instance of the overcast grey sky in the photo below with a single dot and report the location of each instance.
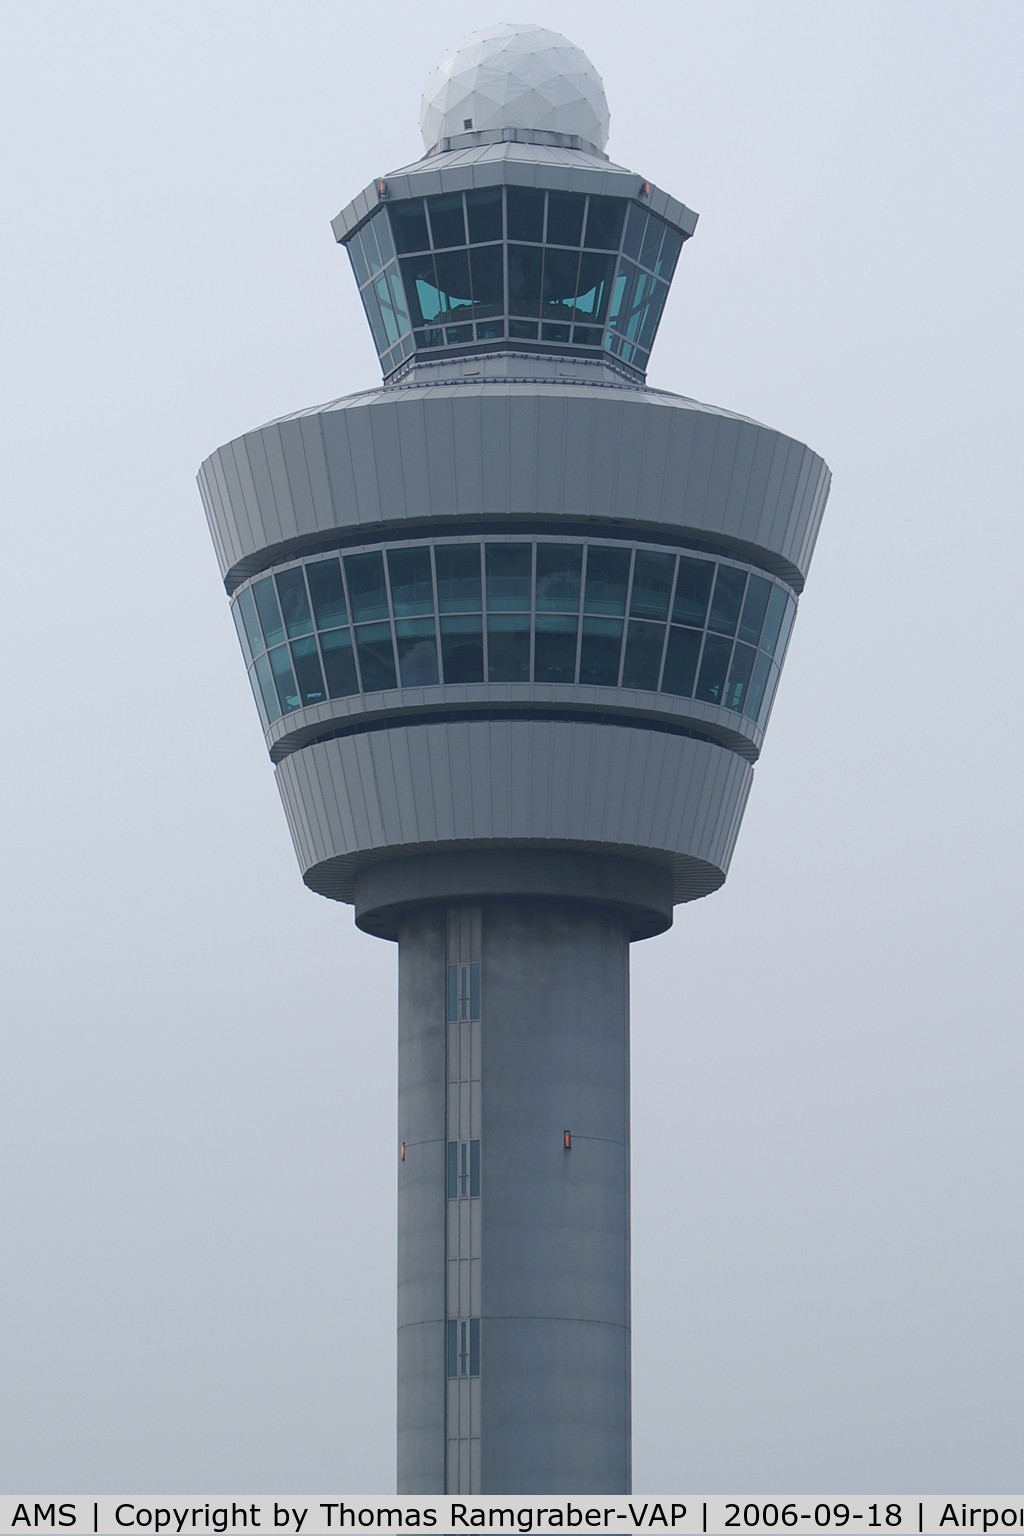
(197, 1078)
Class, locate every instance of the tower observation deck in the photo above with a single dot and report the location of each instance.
(514, 623)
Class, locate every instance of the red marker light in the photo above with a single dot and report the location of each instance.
(403, 1151)
(568, 1141)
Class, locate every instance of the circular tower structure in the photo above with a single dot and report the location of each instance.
(514, 623)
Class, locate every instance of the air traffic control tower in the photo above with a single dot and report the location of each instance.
(514, 622)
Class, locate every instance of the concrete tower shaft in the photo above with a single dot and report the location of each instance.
(514, 624)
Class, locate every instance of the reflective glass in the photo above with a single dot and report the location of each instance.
(554, 659)
(524, 280)
(366, 590)
(483, 209)
(374, 260)
(670, 248)
(446, 222)
(755, 690)
(339, 663)
(487, 271)
(291, 592)
(474, 1346)
(524, 328)
(599, 652)
(739, 676)
(787, 625)
(725, 604)
(266, 681)
(247, 609)
(593, 287)
(650, 318)
(559, 567)
(651, 242)
(412, 587)
(565, 218)
(508, 648)
(585, 337)
(490, 330)
(398, 303)
(642, 661)
(270, 614)
(284, 679)
(508, 577)
(713, 666)
(462, 648)
(681, 661)
(621, 293)
(458, 577)
(420, 282)
(372, 307)
(561, 269)
(754, 606)
(652, 584)
(604, 222)
(769, 696)
(454, 293)
(409, 225)
(525, 209)
(417, 652)
(243, 638)
(773, 620)
(354, 246)
(327, 593)
(607, 579)
(454, 334)
(635, 226)
(381, 228)
(549, 332)
(474, 1190)
(376, 656)
(307, 671)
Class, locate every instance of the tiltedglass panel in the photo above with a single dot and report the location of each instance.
(755, 689)
(651, 318)
(284, 679)
(420, 281)
(381, 228)
(409, 225)
(267, 688)
(769, 696)
(635, 226)
(599, 652)
(374, 260)
(773, 620)
(366, 589)
(243, 638)
(565, 218)
(508, 577)
(270, 614)
(412, 587)
(593, 287)
(554, 659)
(561, 269)
(483, 209)
(621, 292)
(376, 656)
(458, 577)
(713, 666)
(455, 295)
(604, 223)
(327, 593)
(354, 246)
(651, 242)
(387, 312)
(372, 307)
(559, 567)
(739, 676)
(247, 608)
(670, 248)
(487, 271)
(607, 579)
(728, 595)
(525, 209)
(754, 606)
(787, 625)
(508, 648)
(397, 297)
(652, 585)
(642, 661)
(524, 279)
(462, 648)
(417, 652)
(681, 661)
(307, 671)
(446, 222)
(339, 663)
(291, 591)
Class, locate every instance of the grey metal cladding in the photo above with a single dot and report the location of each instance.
(571, 784)
(403, 455)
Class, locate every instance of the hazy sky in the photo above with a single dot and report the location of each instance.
(197, 1081)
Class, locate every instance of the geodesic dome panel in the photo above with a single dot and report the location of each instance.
(512, 76)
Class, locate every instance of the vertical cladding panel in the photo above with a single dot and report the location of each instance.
(478, 768)
(661, 807)
(541, 781)
(425, 793)
(773, 487)
(603, 422)
(796, 512)
(440, 453)
(405, 786)
(295, 468)
(599, 773)
(499, 776)
(520, 785)
(699, 477)
(339, 465)
(217, 517)
(362, 789)
(652, 482)
(689, 783)
(647, 748)
(339, 819)
(359, 444)
(551, 436)
(819, 495)
(468, 451)
(523, 418)
(677, 467)
(460, 774)
(232, 470)
(494, 434)
(792, 464)
(412, 448)
(723, 466)
(577, 437)
(629, 463)
(283, 497)
(252, 445)
(311, 428)
(441, 780)
(560, 751)
(734, 508)
(757, 488)
(387, 457)
(383, 746)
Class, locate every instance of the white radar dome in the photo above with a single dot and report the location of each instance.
(512, 76)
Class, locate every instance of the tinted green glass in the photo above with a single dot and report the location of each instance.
(462, 648)
(607, 579)
(374, 260)
(622, 290)
(420, 283)
(247, 610)
(454, 334)
(642, 661)
(636, 224)
(327, 594)
(554, 658)
(671, 245)
(458, 577)
(412, 586)
(787, 625)
(266, 681)
(561, 269)
(559, 568)
(284, 679)
(585, 337)
(417, 652)
(725, 603)
(366, 589)
(387, 313)
(755, 688)
(307, 671)
(693, 588)
(508, 577)
(525, 211)
(593, 287)
(339, 663)
(243, 638)
(354, 246)
(565, 218)
(681, 661)
(651, 317)
(474, 1346)
(651, 244)
(454, 293)
(398, 303)
(600, 647)
(446, 222)
(487, 271)
(739, 676)
(291, 592)
(652, 584)
(376, 657)
(524, 328)
(754, 606)
(769, 696)
(713, 666)
(508, 648)
(549, 332)
(269, 612)
(372, 306)
(773, 620)
(483, 210)
(490, 330)
(381, 228)
(409, 225)
(604, 222)
(524, 280)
